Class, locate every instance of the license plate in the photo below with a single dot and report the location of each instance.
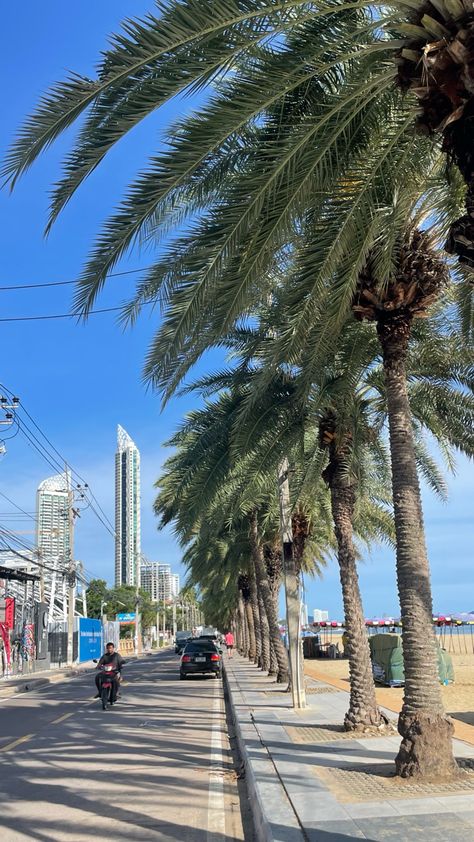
(200, 660)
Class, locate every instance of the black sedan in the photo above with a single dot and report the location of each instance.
(200, 656)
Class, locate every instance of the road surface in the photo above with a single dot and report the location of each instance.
(155, 767)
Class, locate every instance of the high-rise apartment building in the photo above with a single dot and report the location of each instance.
(159, 581)
(127, 510)
(175, 584)
(52, 520)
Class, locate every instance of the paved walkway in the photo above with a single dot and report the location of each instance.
(308, 780)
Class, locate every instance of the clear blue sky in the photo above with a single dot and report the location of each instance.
(80, 381)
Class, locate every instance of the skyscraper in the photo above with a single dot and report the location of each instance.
(52, 521)
(127, 510)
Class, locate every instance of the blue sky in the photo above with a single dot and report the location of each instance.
(80, 381)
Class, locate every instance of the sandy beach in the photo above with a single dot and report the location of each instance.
(458, 697)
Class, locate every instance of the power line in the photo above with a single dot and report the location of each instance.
(66, 283)
(59, 315)
(16, 506)
(57, 462)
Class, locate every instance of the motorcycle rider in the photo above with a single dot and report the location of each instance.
(110, 656)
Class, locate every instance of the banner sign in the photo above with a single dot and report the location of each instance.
(6, 642)
(90, 639)
(126, 617)
(7, 611)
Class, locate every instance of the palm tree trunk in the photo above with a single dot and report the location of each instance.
(265, 633)
(243, 641)
(273, 671)
(363, 710)
(269, 602)
(426, 747)
(252, 650)
(272, 560)
(256, 616)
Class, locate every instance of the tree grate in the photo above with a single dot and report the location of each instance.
(326, 733)
(323, 689)
(379, 783)
(308, 690)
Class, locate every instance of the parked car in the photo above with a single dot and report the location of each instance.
(181, 640)
(200, 656)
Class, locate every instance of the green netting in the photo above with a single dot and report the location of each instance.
(387, 660)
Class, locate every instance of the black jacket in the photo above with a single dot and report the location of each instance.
(114, 659)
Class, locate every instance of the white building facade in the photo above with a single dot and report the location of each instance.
(320, 616)
(158, 580)
(53, 538)
(127, 510)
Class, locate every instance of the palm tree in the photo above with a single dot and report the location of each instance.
(314, 93)
(420, 278)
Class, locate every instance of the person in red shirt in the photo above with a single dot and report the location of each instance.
(229, 642)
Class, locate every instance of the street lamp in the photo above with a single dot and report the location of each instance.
(102, 606)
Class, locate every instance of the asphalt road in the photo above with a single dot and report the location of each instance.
(156, 767)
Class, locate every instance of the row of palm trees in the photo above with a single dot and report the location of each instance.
(298, 213)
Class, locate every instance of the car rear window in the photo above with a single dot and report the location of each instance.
(201, 646)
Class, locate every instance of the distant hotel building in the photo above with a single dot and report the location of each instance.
(52, 521)
(159, 581)
(127, 510)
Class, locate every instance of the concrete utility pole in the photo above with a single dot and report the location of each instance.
(292, 589)
(158, 625)
(174, 620)
(71, 571)
(138, 616)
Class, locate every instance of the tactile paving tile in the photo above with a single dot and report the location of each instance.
(309, 690)
(322, 690)
(379, 783)
(325, 733)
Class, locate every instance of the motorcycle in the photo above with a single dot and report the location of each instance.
(109, 675)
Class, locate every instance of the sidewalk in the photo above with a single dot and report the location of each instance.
(309, 781)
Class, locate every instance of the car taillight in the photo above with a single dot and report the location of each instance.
(185, 659)
(214, 657)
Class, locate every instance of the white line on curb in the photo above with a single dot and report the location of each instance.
(216, 807)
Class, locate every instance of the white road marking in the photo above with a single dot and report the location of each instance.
(216, 806)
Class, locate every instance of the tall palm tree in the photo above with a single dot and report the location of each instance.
(311, 92)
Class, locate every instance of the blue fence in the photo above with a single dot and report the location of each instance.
(90, 639)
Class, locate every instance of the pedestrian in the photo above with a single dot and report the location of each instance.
(229, 642)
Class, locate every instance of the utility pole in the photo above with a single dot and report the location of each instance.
(71, 571)
(138, 618)
(292, 589)
(41, 575)
(174, 620)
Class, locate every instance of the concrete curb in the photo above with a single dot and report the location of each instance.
(273, 814)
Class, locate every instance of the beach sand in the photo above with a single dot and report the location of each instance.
(458, 697)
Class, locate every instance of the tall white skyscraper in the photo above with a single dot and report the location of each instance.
(127, 510)
(52, 521)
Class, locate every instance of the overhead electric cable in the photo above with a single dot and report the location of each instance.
(67, 282)
(16, 505)
(58, 316)
(57, 462)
